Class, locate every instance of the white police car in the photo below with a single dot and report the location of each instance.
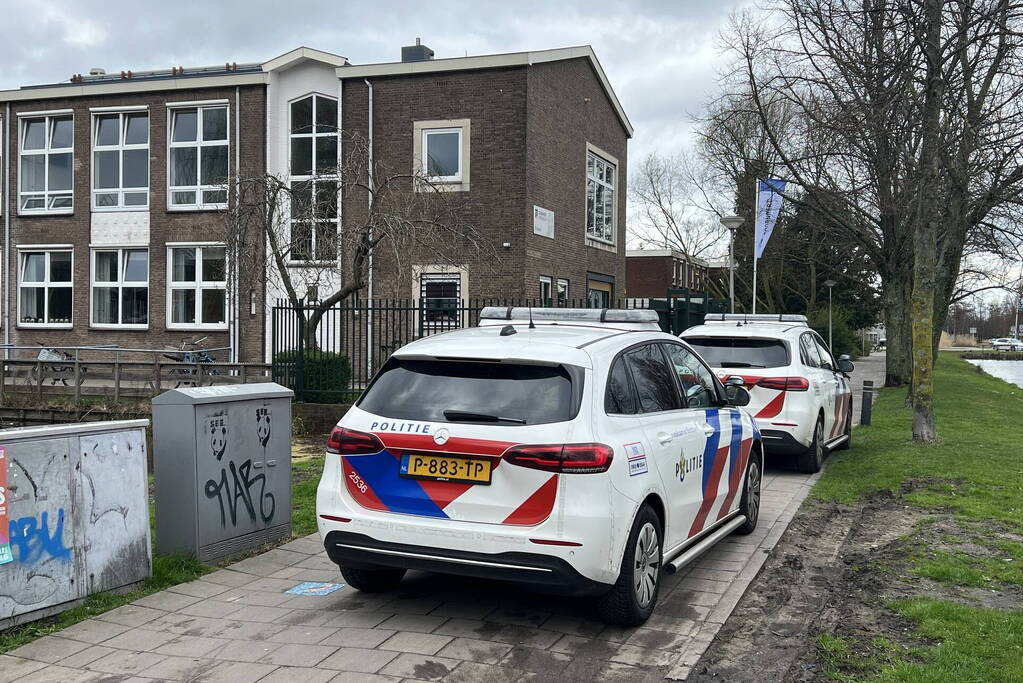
(579, 451)
(799, 394)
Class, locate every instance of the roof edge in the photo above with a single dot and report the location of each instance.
(492, 62)
(301, 54)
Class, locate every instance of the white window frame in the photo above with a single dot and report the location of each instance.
(557, 294)
(119, 284)
(314, 179)
(47, 194)
(427, 132)
(45, 284)
(546, 282)
(199, 144)
(600, 157)
(121, 147)
(198, 285)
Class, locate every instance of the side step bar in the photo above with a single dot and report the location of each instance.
(704, 545)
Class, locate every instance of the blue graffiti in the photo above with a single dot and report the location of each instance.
(31, 538)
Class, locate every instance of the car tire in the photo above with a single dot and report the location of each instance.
(631, 601)
(847, 441)
(373, 580)
(750, 503)
(812, 459)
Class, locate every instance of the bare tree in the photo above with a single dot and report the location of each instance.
(312, 240)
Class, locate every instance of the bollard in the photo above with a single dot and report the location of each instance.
(868, 402)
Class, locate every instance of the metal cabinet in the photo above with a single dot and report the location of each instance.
(222, 466)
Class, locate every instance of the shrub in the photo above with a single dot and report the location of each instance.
(844, 339)
(325, 375)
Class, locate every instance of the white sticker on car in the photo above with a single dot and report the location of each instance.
(637, 458)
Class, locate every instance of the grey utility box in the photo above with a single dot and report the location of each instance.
(222, 465)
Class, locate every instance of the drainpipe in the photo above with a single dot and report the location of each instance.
(234, 303)
(369, 209)
(6, 201)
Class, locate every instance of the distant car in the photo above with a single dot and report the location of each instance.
(1006, 344)
(578, 451)
(800, 395)
(882, 344)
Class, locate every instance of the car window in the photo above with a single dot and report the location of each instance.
(655, 386)
(697, 382)
(827, 360)
(808, 352)
(460, 391)
(740, 352)
(620, 398)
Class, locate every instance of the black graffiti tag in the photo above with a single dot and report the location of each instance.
(239, 486)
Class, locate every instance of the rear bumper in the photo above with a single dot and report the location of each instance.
(543, 572)
(782, 442)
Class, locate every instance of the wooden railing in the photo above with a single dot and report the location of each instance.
(119, 379)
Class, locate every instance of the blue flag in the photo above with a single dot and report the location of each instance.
(769, 200)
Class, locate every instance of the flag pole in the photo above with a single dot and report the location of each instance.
(756, 212)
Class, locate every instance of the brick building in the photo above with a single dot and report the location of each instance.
(649, 273)
(114, 185)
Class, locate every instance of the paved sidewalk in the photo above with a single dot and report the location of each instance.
(238, 624)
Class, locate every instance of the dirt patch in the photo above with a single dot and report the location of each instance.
(835, 571)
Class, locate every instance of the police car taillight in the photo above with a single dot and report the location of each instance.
(574, 458)
(784, 383)
(350, 442)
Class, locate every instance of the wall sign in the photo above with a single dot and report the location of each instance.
(5, 541)
(543, 221)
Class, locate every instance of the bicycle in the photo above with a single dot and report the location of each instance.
(58, 373)
(192, 353)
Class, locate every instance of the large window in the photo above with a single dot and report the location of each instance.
(120, 287)
(601, 177)
(120, 160)
(562, 292)
(44, 288)
(441, 298)
(47, 163)
(198, 157)
(313, 146)
(442, 154)
(545, 291)
(197, 287)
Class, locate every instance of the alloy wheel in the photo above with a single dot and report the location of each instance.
(647, 564)
(753, 491)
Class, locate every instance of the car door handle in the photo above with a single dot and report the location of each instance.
(707, 429)
(664, 438)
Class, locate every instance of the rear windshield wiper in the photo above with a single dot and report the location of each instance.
(738, 364)
(467, 416)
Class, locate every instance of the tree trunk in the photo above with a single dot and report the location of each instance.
(925, 234)
(897, 329)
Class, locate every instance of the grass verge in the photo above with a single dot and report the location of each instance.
(973, 478)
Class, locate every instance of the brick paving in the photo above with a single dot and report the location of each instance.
(238, 624)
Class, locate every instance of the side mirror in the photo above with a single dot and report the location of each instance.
(736, 395)
(845, 365)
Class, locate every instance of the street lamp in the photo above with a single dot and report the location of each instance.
(732, 223)
(829, 284)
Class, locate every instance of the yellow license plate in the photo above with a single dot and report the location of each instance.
(445, 468)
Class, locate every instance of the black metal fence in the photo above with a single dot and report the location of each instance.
(356, 336)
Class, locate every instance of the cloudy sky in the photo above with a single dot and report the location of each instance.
(661, 55)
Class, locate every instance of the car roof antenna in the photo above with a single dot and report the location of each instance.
(529, 309)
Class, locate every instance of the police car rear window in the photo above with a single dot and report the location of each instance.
(741, 352)
(473, 392)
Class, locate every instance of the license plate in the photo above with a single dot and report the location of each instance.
(445, 468)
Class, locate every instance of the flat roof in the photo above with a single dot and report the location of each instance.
(495, 61)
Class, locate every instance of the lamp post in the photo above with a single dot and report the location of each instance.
(732, 223)
(829, 284)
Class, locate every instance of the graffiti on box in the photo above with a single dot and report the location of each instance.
(5, 546)
(33, 539)
(237, 483)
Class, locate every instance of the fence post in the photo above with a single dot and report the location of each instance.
(117, 377)
(868, 402)
(78, 381)
(156, 372)
(300, 357)
(39, 380)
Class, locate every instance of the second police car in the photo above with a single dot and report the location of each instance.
(579, 451)
(800, 394)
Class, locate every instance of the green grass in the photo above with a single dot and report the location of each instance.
(975, 644)
(976, 473)
(976, 470)
(168, 570)
(305, 475)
